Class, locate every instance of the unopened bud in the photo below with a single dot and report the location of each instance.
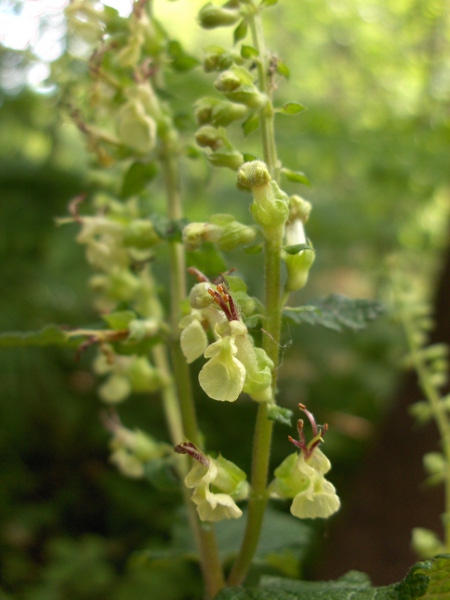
(299, 209)
(211, 16)
(298, 266)
(210, 137)
(141, 234)
(218, 112)
(229, 158)
(237, 85)
(219, 59)
(200, 297)
(135, 128)
(253, 174)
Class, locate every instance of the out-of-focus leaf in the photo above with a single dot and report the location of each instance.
(251, 124)
(167, 229)
(283, 69)
(249, 51)
(138, 176)
(240, 32)
(290, 108)
(296, 248)
(119, 320)
(296, 176)
(249, 157)
(336, 312)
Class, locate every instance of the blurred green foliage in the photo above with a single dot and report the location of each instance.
(374, 141)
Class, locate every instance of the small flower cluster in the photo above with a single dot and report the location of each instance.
(235, 364)
(131, 450)
(217, 485)
(301, 476)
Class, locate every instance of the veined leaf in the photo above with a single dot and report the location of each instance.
(240, 32)
(248, 51)
(51, 335)
(428, 580)
(336, 312)
(251, 124)
(137, 178)
(290, 108)
(296, 176)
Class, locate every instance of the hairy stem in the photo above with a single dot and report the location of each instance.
(271, 344)
(204, 533)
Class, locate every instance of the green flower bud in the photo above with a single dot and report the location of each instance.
(135, 128)
(218, 112)
(237, 85)
(143, 376)
(253, 174)
(299, 209)
(115, 389)
(426, 543)
(298, 266)
(435, 464)
(219, 59)
(210, 137)
(211, 16)
(232, 233)
(200, 297)
(229, 158)
(141, 234)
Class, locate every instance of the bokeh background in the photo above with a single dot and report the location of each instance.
(374, 141)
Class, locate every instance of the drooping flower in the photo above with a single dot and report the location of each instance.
(217, 484)
(301, 476)
(235, 365)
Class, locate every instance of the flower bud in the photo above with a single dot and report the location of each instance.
(426, 543)
(270, 207)
(299, 209)
(218, 112)
(219, 59)
(141, 234)
(211, 16)
(135, 128)
(210, 137)
(199, 296)
(229, 158)
(237, 85)
(253, 174)
(298, 266)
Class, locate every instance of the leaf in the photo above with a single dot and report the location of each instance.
(429, 580)
(120, 319)
(279, 414)
(50, 335)
(249, 157)
(207, 259)
(269, 2)
(251, 124)
(290, 108)
(296, 248)
(336, 312)
(138, 176)
(283, 69)
(248, 52)
(296, 176)
(184, 63)
(240, 32)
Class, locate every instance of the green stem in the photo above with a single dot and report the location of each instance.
(271, 344)
(204, 533)
(439, 413)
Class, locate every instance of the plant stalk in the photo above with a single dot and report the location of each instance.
(271, 342)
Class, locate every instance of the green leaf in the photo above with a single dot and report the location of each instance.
(283, 69)
(207, 259)
(248, 52)
(290, 108)
(336, 312)
(251, 124)
(185, 63)
(160, 472)
(51, 335)
(296, 248)
(119, 320)
(296, 176)
(429, 580)
(279, 414)
(138, 176)
(249, 157)
(269, 2)
(240, 32)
